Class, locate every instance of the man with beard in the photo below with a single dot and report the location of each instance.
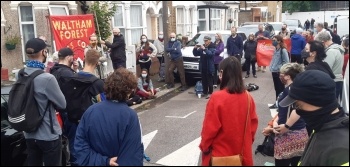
(101, 69)
(66, 65)
(118, 55)
(313, 95)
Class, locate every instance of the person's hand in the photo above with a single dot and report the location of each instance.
(202, 47)
(102, 42)
(149, 93)
(113, 161)
(195, 46)
(75, 65)
(281, 129)
(148, 54)
(267, 131)
(275, 130)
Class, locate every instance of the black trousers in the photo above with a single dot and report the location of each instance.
(279, 87)
(118, 63)
(247, 64)
(47, 152)
(287, 162)
(296, 58)
(146, 65)
(207, 82)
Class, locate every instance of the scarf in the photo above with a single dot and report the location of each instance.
(35, 64)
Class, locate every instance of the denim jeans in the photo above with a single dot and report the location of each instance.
(69, 130)
(47, 152)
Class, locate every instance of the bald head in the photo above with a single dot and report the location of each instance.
(172, 35)
(116, 31)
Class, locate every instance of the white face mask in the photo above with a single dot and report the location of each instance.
(160, 36)
(144, 40)
(172, 39)
(144, 75)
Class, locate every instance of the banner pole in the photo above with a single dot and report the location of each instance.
(98, 28)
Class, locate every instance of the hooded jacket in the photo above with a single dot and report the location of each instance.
(61, 70)
(335, 60)
(322, 66)
(298, 44)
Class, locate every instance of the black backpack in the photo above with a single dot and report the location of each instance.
(76, 90)
(23, 111)
(267, 147)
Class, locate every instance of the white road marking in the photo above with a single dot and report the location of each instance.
(272, 111)
(148, 138)
(187, 155)
(181, 117)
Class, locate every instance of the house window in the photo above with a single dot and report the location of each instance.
(202, 23)
(180, 21)
(118, 20)
(215, 17)
(27, 26)
(189, 28)
(136, 23)
(57, 10)
(229, 16)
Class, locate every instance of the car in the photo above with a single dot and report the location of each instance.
(341, 25)
(253, 28)
(277, 26)
(293, 24)
(191, 63)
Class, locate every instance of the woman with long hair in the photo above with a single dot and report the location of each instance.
(280, 57)
(217, 58)
(224, 131)
(144, 86)
(145, 51)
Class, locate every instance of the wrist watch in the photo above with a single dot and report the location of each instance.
(287, 126)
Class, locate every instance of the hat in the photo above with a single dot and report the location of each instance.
(34, 45)
(314, 87)
(65, 52)
(206, 38)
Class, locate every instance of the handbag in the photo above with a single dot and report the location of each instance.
(234, 160)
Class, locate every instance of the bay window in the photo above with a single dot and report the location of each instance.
(215, 18)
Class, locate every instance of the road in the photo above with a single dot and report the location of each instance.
(171, 130)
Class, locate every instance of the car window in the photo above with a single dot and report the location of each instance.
(198, 39)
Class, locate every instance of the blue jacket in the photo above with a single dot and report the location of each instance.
(298, 44)
(206, 62)
(174, 49)
(278, 60)
(234, 45)
(109, 129)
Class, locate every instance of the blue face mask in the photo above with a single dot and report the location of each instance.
(274, 43)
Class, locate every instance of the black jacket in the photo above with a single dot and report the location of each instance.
(329, 146)
(117, 48)
(322, 66)
(61, 70)
(249, 48)
(206, 61)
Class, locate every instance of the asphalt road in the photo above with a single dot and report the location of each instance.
(172, 129)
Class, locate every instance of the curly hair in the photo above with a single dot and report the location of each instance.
(120, 84)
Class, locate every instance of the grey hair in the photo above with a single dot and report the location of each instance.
(292, 69)
(323, 36)
(320, 24)
(299, 31)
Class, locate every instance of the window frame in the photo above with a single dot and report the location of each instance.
(218, 18)
(141, 27)
(63, 6)
(203, 19)
(24, 55)
(123, 15)
(183, 21)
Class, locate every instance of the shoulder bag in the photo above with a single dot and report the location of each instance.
(234, 160)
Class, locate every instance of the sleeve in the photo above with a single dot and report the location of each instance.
(211, 126)
(256, 34)
(266, 34)
(330, 60)
(196, 52)
(97, 87)
(178, 47)
(86, 156)
(228, 46)
(54, 93)
(210, 52)
(253, 118)
(220, 48)
(154, 52)
(285, 57)
(245, 47)
(139, 84)
(169, 48)
(240, 45)
(115, 44)
(138, 48)
(150, 85)
(335, 156)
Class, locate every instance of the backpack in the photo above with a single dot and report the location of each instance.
(23, 111)
(78, 97)
(267, 147)
(198, 89)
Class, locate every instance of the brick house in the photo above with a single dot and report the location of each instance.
(260, 11)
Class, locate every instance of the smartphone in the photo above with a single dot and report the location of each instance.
(198, 45)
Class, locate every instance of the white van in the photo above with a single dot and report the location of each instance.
(341, 25)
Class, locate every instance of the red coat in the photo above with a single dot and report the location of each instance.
(223, 126)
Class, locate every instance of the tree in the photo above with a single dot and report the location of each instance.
(299, 6)
(104, 11)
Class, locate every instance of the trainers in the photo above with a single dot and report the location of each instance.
(274, 106)
(215, 86)
(169, 86)
(247, 76)
(255, 76)
(183, 88)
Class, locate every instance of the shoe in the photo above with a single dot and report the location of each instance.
(183, 88)
(152, 96)
(170, 86)
(215, 86)
(247, 76)
(208, 96)
(273, 106)
(259, 69)
(255, 76)
(264, 70)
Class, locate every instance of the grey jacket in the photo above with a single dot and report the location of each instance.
(335, 60)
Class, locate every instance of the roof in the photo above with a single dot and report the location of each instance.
(211, 4)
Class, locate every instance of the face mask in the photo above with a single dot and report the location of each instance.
(274, 43)
(144, 40)
(217, 38)
(172, 39)
(305, 54)
(144, 75)
(317, 118)
(160, 36)
(283, 29)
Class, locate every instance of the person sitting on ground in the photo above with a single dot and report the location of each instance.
(144, 86)
(134, 99)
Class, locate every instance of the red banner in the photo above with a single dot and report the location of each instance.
(265, 50)
(72, 31)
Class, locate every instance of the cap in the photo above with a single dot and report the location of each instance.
(314, 87)
(63, 52)
(206, 38)
(34, 45)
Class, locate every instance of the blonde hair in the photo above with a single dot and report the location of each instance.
(292, 69)
(220, 36)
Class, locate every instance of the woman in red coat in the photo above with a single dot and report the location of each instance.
(226, 115)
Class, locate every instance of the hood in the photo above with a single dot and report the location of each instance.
(58, 66)
(295, 36)
(336, 124)
(336, 46)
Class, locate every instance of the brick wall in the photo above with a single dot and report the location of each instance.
(245, 16)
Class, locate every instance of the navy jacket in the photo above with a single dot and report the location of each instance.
(206, 62)
(234, 45)
(298, 44)
(109, 129)
(174, 49)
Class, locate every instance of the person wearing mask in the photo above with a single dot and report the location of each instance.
(109, 133)
(118, 54)
(206, 64)
(145, 87)
(284, 32)
(250, 54)
(298, 44)
(234, 44)
(290, 132)
(313, 96)
(217, 58)
(145, 50)
(345, 45)
(44, 146)
(335, 59)
(279, 58)
(261, 35)
(228, 132)
(176, 61)
(159, 44)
